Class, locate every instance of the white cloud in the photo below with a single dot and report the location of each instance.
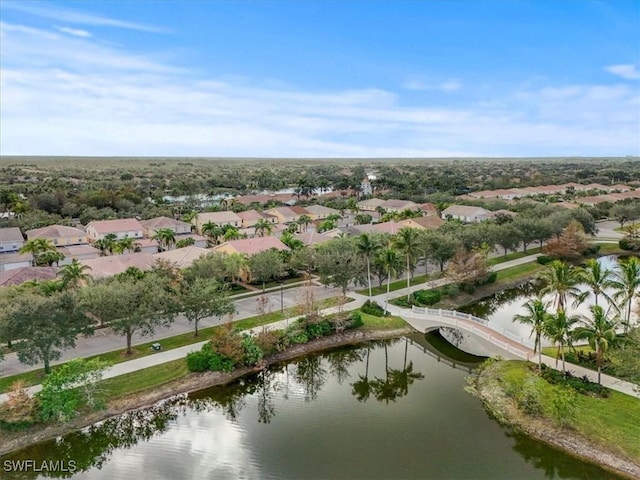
(626, 71)
(70, 95)
(421, 84)
(47, 10)
(76, 32)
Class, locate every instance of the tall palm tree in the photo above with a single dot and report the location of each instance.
(304, 221)
(407, 241)
(626, 282)
(536, 317)
(126, 243)
(368, 247)
(102, 245)
(232, 233)
(263, 226)
(37, 247)
(597, 279)
(599, 330)
(393, 263)
(290, 241)
(166, 237)
(212, 231)
(561, 279)
(49, 257)
(110, 240)
(74, 274)
(558, 329)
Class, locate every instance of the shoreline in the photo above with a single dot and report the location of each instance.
(12, 441)
(504, 410)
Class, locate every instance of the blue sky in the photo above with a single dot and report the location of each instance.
(320, 78)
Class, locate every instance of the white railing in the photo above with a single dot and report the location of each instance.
(452, 317)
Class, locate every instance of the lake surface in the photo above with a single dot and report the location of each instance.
(383, 410)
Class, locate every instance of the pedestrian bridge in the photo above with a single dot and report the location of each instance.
(426, 319)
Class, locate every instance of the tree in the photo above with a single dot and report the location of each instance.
(47, 325)
(561, 279)
(597, 278)
(558, 330)
(37, 247)
(407, 241)
(622, 213)
(363, 219)
(263, 226)
(126, 243)
(49, 257)
(185, 242)
(339, 263)
(626, 282)
(231, 233)
(213, 232)
(166, 237)
(74, 274)
(69, 387)
(326, 225)
(570, 244)
(600, 332)
(442, 247)
(131, 304)
(304, 221)
(393, 265)
(205, 297)
(536, 317)
(368, 247)
(291, 241)
(468, 268)
(265, 266)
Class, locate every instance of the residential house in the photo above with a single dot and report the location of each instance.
(313, 238)
(152, 225)
(422, 222)
(391, 228)
(11, 239)
(393, 205)
(251, 217)
(111, 265)
(60, 235)
(13, 260)
(78, 252)
(121, 228)
(320, 212)
(250, 246)
(370, 205)
(147, 245)
(428, 209)
(286, 214)
(467, 214)
(219, 218)
(20, 275)
(182, 257)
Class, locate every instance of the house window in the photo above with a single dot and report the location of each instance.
(55, 241)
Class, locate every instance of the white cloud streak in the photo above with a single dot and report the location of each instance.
(76, 32)
(73, 96)
(626, 71)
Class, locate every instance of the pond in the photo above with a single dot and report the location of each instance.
(501, 307)
(380, 410)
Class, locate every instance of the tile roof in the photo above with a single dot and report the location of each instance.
(114, 226)
(465, 211)
(251, 246)
(254, 215)
(111, 265)
(404, 204)
(14, 257)
(75, 250)
(20, 275)
(431, 221)
(183, 257)
(321, 210)
(11, 234)
(55, 231)
(163, 222)
(218, 217)
(313, 238)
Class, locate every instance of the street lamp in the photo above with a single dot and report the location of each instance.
(281, 297)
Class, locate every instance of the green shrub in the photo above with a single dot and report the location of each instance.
(493, 276)
(218, 363)
(467, 288)
(631, 243)
(425, 298)
(14, 426)
(563, 407)
(544, 259)
(529, 399)
(356, 320)
(372, 308)
(318, 329)
(253, 354)
(198, 361)
(591, 250)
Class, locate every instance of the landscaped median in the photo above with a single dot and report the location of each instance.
(145, 387)
(602, 428)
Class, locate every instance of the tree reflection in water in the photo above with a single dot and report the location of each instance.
(489, 305)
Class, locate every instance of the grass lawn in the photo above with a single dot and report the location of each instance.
(144, 379)
(519, 271)
(372, 322)
(513, 256)
(611, 422)
(399, 284)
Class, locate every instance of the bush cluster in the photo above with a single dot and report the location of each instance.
(228, 349)
(372, 308)
(580, 384)
(630, 242)
(544, 259)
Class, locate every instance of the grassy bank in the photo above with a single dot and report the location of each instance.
(595, 424)
(34, 377)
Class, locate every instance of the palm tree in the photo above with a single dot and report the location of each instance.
(232, 233)
(126, 243)
(102, 245)
(37, 247)
(73, 275)
(558, 329)
(290, 241)
(110, 239)
(408, 242)
(597, 279)
(263, 225)
(304, 221)
(165, 237)
(393, 263)
(50, 257)
(213, 231)
(600, 331)
(368, 246)
(626, 282)
(537, 317)
(561, 279)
